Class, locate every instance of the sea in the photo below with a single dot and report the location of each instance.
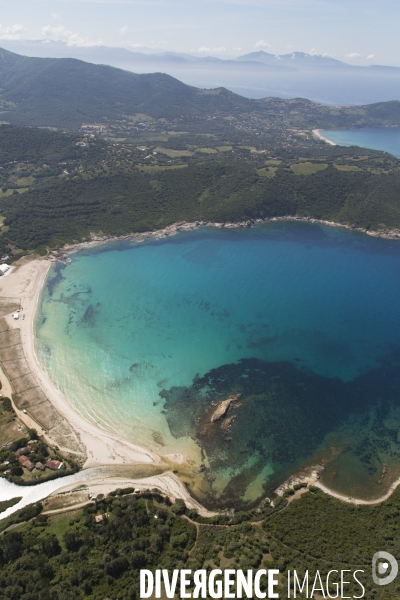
(300, 322)
(377, 138)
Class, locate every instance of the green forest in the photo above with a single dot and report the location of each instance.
(73, 555)
(58, 188)
(93, 150)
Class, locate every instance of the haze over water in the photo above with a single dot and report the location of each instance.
(302, 320)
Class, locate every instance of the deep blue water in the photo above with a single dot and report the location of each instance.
(301, 320)
(376, 138)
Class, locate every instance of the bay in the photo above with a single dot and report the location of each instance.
(301, 320)
(376, 138)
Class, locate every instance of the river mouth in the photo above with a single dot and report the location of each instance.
(300, 320)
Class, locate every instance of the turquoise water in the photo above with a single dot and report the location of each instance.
(301, 320)
(376, 138)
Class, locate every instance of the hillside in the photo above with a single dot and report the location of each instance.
(64, 93)
(97, 551)
(57, 188)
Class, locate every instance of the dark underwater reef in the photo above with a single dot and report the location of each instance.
(285, 416)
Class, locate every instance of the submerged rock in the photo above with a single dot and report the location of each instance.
(223, 408)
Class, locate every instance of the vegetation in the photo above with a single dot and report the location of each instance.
(71, 556)
(4, 504)
(143, 151)
(17, 440)
(116, 189)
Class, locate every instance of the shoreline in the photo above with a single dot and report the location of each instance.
(61, 254)
(103, 448)
(318, 136)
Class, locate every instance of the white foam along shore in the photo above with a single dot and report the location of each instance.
(100, 447)
(317, 134)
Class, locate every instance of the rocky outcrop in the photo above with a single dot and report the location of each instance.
(223, 408)
(227, 424)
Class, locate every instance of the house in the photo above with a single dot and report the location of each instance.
(21, 452)
(26, 463)
(16, 316)
(4, 268)
(54, 465)
(100, 518)
(39, 466)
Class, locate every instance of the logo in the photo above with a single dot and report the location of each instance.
(384, 563)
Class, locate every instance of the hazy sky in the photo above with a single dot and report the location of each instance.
(352, 30)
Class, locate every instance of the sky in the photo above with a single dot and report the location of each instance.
(355, 31)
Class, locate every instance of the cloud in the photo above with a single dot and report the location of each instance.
(353, 55)
(123, 29)
(237, 48)
(313, 52)
(160, 44)
(61, 34)
(370, 56)
(56, 16)
(12, 32)
(289, 47)
(134, 45)
(217, 49)
(262, 44)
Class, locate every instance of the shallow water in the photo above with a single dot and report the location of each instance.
(376, 138)
(302, 320)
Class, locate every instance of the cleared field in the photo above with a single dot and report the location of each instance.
(267, 172)
(307, 168)
(207, 150)
(156, 168)
(347, 167)
(173, 153)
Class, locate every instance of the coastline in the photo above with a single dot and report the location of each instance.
(103, 448)
(318, 136)
(61, 254)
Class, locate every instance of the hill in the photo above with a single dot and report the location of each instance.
(63, 93)
(97, 551)
(254, 75)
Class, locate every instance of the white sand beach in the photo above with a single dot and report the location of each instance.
(318, 136)
(100, 447)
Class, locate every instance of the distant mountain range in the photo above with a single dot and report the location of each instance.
(114, 56)
(254, 75)
(65, 93)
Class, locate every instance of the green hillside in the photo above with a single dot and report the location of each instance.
(64, 93)
(57, 188)
(70, 556)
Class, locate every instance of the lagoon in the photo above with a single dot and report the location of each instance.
(302, 320)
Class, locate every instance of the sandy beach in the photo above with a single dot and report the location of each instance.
(98, 447)
(318, 136)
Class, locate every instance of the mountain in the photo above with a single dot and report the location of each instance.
(66, 92)
(255, 75)
(296, 60)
